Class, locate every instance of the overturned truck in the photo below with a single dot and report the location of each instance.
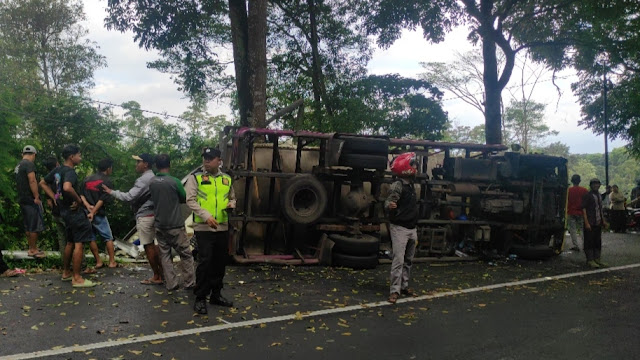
(306, 197)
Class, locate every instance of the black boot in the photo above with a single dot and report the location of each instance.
(217, 299)
(200, 306)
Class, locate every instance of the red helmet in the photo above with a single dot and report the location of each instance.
(403, 164)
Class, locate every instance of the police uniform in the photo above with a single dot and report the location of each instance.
(209, 195)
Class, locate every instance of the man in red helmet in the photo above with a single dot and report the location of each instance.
(403, 214)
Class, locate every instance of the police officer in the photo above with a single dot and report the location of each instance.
(209, 194)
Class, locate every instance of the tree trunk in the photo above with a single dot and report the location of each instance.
(316, 66)
(258, 60)
(493, 119)
(493, 122)
(239, 38)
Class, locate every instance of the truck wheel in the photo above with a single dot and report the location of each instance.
(303, 199)
(355, 262)
(362, 245)
(378, 162)
(365, 145)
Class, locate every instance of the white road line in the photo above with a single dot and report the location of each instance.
(310, 314)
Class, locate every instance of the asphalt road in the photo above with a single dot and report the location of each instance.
(555, 309)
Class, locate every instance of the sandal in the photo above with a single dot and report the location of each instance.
(151, 282)
(85, 284)
(393, 298)
(408, 292)
(99, 266)
(37, 255)
(88, 271)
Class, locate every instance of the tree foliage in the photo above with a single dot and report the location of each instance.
(462, 77)
(47, 34)
(500, 26)
(596, 37)
(310, 61)
(383, 104)
(524, 124)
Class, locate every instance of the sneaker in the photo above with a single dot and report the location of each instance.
(592, 264)
(200, 306)
(604, 265)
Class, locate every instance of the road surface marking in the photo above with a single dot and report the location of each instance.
(297, 316)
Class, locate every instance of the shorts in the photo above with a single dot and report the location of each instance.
(146, 229)
(78, 226)
(101, 227)
(32, 218)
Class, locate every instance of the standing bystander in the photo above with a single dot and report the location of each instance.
(574, 210)
(209, 195)
(52, 164)
(403, 215)
(167, 193)
(618, 211)
(140, 199)
(29, 200)
(95, 199)
(593, 224)
(78, 227)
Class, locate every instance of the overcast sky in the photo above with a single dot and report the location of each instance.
(127, 78)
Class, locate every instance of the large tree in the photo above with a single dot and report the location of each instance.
(315, 46)
(524, 124)
(462, 77)
(493, 23)
(47, 34)
(191, 36)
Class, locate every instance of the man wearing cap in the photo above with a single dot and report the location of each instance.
(140, 199)
(29, 199)
(593, 223)
(209, 194)
(167, 194)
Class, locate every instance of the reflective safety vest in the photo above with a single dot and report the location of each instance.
(213, 196)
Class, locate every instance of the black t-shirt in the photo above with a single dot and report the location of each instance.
(58, 177)
(24, 168)
(50, 180)
(93, 191)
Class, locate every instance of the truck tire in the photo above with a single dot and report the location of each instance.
(365, 145)
(366, 161)
(303, 199)
(361, 245)
(355, 262)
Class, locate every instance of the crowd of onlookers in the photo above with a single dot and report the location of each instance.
(587, 211)
(78, 209)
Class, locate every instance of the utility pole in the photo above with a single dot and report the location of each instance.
(606, 126)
